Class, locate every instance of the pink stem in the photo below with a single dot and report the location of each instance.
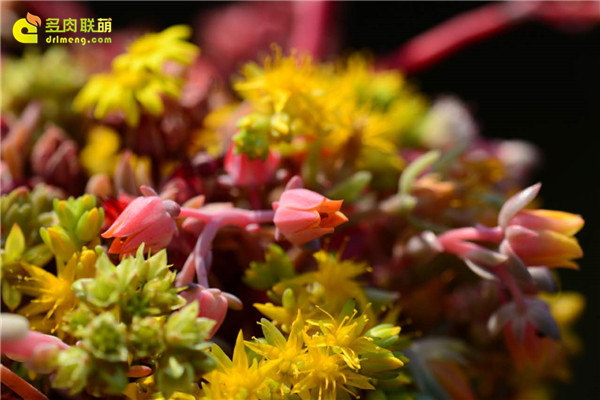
(458, 32)
(199, 259)
(512, 287)
(456, 242)
(229, 216)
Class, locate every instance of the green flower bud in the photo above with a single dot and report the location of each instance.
(89, 224)
(174, 375)
(29, 209)
(10, 296)
(74, 367)
(109, 378)
(185, 330)
(65, 212)
(103, 290)
(288, 300)
(146, 337)
(58, 241)
(15, 244)
(104, 337)
(253, 137)
(384, 335)
(76, 321)
(373, 363)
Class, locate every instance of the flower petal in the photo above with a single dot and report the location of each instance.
(559, 221)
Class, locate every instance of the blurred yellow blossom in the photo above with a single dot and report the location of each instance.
(137, 79)
(99, 156)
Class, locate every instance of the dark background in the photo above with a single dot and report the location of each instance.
(534, 82)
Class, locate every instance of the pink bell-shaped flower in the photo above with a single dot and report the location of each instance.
(302, 215)
(146, 220)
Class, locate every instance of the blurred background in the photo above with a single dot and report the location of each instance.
(538, 81)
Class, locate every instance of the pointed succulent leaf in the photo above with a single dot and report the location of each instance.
(516, 203)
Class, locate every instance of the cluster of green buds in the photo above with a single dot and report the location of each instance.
(129, 316)
(31, 210)
(52, 77)
(257, 131)
(382, 363)
(79, 224)
(23, 212)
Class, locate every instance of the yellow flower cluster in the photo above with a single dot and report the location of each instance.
(326, 359)
(327, 288)
(138, 77)
(347, 109)
(316, 344)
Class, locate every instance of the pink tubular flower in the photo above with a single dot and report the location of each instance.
(558, 221)
(540, 237)
(302, 215)
(247, 172)
(146, 220)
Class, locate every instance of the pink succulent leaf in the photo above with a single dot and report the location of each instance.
(543, 278)
(233, 301)
(516, 203)
(487, 257)
(423, 244)
(539, 315)
(295, 182)
(508, 312)
(480, 271)
(148, 191)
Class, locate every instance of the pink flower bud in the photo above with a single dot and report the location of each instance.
(146, 220)
(302, 215)
(247, 172)
(212, 304)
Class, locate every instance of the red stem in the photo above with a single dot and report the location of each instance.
(199, 259)
(458, 32)
(512, 287)
(19, 385)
